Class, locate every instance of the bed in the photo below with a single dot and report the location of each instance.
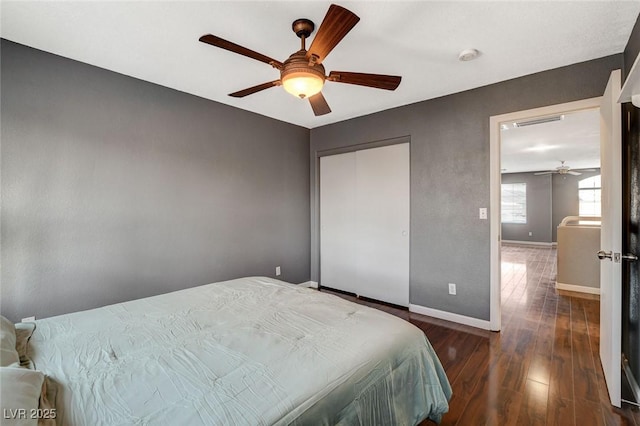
(251, 351)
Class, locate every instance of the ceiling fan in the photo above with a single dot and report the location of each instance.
(303, 74)
(564, 170)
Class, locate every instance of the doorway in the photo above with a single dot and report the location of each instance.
(611, 282)
(497, 123)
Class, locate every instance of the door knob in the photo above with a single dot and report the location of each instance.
(602, 255)
(630, 257)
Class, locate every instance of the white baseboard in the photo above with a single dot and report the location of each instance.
(577, 288)
(448, 316)
(309, 284)
(528, 243)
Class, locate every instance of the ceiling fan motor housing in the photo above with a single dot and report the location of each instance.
(297, 65)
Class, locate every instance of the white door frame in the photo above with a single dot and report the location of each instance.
(495, 181)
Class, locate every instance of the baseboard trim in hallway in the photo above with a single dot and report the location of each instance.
(577, 288)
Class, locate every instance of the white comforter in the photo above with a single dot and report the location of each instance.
(252, 351)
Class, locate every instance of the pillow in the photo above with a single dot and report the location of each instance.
(8, 353)
(20, 395)
(24, 330)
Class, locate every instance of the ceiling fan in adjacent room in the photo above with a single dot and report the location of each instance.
(564, 170)
(303, 74)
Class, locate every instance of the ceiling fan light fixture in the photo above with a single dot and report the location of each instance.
(302, 84)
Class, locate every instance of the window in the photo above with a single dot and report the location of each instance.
(589, 192)
(514, 203)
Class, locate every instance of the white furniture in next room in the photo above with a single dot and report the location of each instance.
(578, 265)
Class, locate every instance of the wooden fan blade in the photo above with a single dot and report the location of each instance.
(379, 81)
(319, 104)
(336, 24)
(254, 89)
(235, 48)
(571, 172)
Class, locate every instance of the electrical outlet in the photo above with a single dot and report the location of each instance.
(452, 289)
(530, 234)
(277, 271)
(29, 319)
(483, 213)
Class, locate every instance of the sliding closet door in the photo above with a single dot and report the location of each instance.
(337, 221)
(364, 223)
(382, 225)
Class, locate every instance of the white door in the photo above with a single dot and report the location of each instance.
(338, 221)
(364, 223)
(383, 223)
(611, 237)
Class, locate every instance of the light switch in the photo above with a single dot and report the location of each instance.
(483, 212)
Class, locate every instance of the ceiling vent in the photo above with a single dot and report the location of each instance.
(538, 121)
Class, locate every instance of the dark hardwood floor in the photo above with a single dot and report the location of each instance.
(543, 368)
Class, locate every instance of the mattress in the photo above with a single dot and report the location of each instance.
(251, 351)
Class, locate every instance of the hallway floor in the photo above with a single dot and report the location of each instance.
(542, 369)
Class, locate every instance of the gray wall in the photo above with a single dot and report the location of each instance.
(565, 197)
(538, 209)
(115, 189)
(632, 49)
(450, 175)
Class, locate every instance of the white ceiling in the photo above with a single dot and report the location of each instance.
(157, 41)
(575, 139)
